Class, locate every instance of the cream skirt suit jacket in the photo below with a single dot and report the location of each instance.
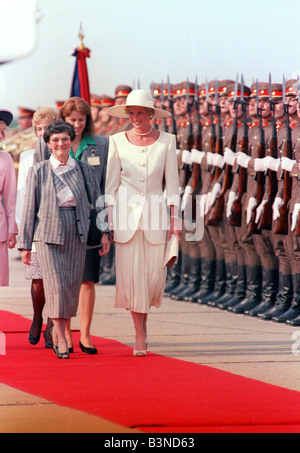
(141, 182)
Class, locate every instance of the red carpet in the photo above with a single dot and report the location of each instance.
(153, 394)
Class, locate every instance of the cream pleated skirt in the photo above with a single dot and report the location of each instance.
(140, 275)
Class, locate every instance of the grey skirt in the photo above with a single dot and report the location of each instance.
(62, 269)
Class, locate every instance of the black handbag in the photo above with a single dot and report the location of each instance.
(94, 235)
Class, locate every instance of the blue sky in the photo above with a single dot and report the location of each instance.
(146, 40)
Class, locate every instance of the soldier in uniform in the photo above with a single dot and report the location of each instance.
(263, 242)
(235, 264)
(21, 138)
(25, 118)
(95, 104)
(206, 246)
(292, 241)
(107, 122)
(221, 233)
(121, 124)
(190, 251)
(289, 310)
(160, 93)
(217, 230)
(273, 305)
(174, 274)
(244, 238)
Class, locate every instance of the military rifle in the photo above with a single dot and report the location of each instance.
(171, 103)
(281, 224)
(197, 142)
(267, 214)
(162, 100)
(186, 167)
(216, 171)
(236, 215)
(259, 176)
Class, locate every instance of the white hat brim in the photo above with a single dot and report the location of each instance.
(119, 111)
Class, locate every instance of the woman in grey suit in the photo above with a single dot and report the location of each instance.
(56, 217)
(92, 149)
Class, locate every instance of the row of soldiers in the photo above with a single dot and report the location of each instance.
(239, 148)
(238, 161)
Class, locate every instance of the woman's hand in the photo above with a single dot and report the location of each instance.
(175, 228)
(11, 241)
(105, 245)
(26, 257)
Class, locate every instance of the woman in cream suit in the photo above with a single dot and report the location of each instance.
(8, 194)
(142, 163)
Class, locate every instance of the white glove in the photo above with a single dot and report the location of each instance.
(207, 203)
(218, 160)
(214, 193)
(231, 199)
(186, 197)
(251, 205)
(243, 159)
(272, 163)
(186, 157)
(295, 216)
(197, 156)
(209, 158)
(229, 156)
(287, 164)
(261, 164)
(259, 211)
(203, 200)
(276, 206)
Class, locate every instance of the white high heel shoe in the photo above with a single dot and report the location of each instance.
(139, 353)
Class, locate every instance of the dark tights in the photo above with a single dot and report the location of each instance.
(38, 303)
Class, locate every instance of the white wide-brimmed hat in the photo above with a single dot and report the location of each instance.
(138, 98)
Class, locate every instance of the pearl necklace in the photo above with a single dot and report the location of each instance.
(137, 133)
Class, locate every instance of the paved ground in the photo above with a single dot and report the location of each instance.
(208, 336)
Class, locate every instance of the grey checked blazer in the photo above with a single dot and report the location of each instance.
(41, 220)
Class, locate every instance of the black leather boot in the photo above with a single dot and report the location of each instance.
(269, 293)
(174, 277)
(202, 285)
(220, 282)
(254, 291)
(240, 290)
(194, 281)
(184, 278)
(292, 316)
(231, 282)
(208, 282)
(194, 278)
(294, 310)
(283, 301)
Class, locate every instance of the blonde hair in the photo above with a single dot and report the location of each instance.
(44, 113)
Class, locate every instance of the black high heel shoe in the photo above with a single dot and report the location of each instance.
(63, 355)
(60, 355)
(91, 351)
(35, 339)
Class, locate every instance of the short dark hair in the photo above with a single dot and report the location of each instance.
(57, 127)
